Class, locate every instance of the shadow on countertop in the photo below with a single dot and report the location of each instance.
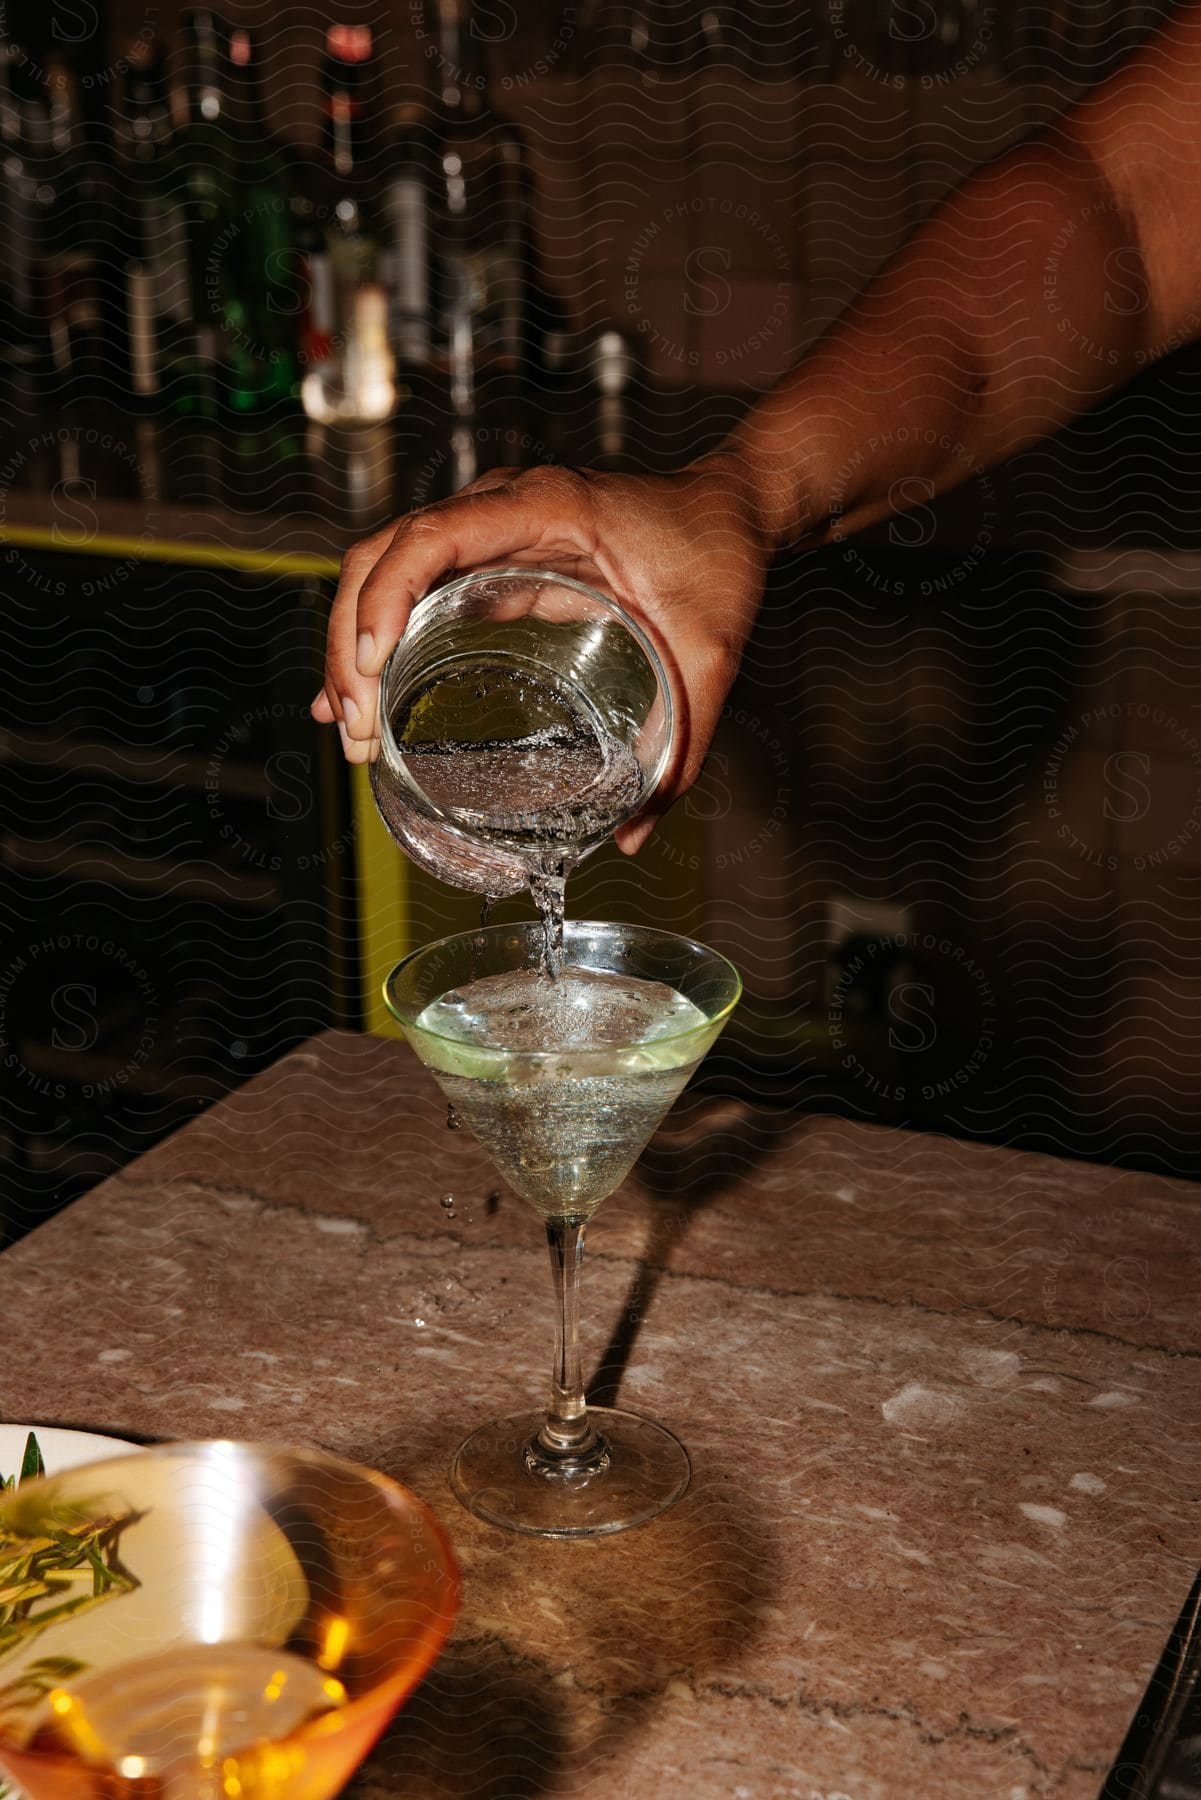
(565, 1652)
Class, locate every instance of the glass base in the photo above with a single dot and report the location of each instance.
(645, 1471)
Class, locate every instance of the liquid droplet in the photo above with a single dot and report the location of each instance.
(448, 1205)
(453, 1123)
(419, 1322)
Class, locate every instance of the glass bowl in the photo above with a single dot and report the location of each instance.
(523, 717)
(240, 1620)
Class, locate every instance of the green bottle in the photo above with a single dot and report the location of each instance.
(264, 300)
(226, 177)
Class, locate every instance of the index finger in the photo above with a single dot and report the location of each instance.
(549, 515)
(339, 686)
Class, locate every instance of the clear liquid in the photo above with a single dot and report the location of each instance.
(549, 787)
(548, 890)
(185, 1712)
(564, 1137)
(525, 775)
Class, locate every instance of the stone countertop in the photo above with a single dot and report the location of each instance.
(942, 1402)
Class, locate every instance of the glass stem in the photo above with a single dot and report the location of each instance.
(568, 1435)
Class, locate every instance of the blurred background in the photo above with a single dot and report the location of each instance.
(276, 275)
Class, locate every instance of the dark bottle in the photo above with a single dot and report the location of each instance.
(200, 178)
(353, 382)
(314, 272)
(157, 280)
(727, 42)
(228, 178)
(77, 268)
(22, 335)
(263, 299)
(58, 221)
(651, 39)
(481, 208)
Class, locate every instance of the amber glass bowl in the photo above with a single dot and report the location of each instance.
(218, 1620)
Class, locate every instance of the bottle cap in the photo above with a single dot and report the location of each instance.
(349, 43)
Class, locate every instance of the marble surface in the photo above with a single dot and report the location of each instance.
(942, 1402)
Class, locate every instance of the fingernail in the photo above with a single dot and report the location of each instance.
(356, 749)
(317, 696)
(351, 711)
(364, 655)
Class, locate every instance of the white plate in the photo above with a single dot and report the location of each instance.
(60, 1449)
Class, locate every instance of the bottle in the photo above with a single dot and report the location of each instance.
(22, 340)
(229, 178)
(157, 285)
(406, 191)
(200, 178)
(726, 39)
(354, 383)
(649, 39)
(60, 308)
(611, 364)
(262, 304)
(308, 202)
(481, 208)
(77, 204)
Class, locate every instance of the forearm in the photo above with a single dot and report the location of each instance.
(992, 328)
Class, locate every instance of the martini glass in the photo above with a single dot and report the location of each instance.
(570, 1080)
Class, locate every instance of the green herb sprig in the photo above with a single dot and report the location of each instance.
(67, 1569)
(71, 1567)
(31, 1465)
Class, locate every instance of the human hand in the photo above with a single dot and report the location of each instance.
(684, 553)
